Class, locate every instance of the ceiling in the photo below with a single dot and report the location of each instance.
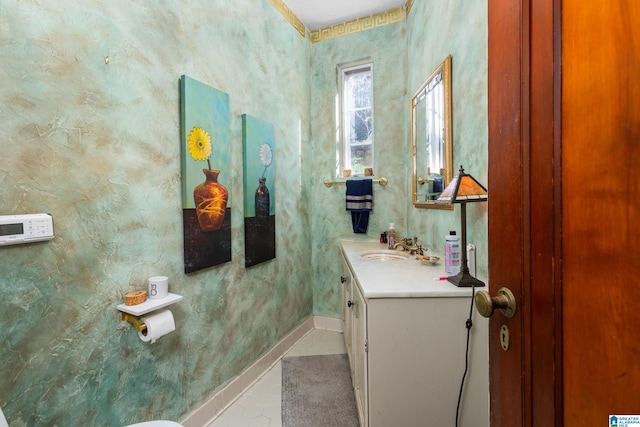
(316, 14)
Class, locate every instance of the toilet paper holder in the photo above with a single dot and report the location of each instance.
(133, 313)
(135, 321)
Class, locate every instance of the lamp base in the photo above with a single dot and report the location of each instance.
(465, 280)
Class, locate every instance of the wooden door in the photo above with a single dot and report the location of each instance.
(564, 138)
(600, 209)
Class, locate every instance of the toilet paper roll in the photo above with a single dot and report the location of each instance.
(158, 324)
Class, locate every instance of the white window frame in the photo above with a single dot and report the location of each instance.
(343, 146)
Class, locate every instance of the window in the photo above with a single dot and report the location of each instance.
(355, 114)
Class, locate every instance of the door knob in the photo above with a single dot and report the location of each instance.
(504, 301)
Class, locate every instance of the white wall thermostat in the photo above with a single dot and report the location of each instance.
(15, 229)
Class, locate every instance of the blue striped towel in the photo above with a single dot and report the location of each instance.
(359, 200)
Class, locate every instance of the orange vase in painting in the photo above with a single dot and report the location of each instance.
(211, 201)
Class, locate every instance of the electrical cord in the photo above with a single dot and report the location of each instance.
(468, 324)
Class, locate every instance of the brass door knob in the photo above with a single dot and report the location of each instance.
(504, 301)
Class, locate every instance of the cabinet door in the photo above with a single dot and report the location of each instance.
(360, 354)
(347, 313)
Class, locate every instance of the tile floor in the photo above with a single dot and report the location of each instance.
(260, 405)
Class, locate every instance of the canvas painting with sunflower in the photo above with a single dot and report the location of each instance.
(258, 144)
(206, 174)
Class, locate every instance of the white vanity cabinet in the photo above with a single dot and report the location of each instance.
(354, 314)
(407, 345)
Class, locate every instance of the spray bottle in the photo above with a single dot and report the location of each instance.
(452, 253)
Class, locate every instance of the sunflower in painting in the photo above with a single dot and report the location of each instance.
(199, 142)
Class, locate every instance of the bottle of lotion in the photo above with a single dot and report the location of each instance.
(391, 235)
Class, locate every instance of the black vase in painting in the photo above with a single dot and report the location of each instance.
(262, 199)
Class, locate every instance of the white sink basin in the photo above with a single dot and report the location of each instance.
(385, 255)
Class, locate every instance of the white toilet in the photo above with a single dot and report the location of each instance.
(3, 420)
(160, 423)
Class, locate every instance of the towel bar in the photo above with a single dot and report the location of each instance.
(382, 181)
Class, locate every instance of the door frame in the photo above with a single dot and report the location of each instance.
(524, 227)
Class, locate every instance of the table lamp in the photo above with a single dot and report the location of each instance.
(463, 189)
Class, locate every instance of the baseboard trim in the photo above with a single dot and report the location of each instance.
(327, 323)
(227, 395)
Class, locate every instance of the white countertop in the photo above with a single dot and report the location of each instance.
(410, 278)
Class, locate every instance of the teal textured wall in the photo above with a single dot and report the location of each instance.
(404, 55)
(436, 29)
(97, 145)
(330, 221)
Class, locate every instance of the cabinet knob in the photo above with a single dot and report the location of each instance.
(343, 279)
(350, 303)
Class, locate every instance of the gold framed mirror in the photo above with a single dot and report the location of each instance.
(431, 138)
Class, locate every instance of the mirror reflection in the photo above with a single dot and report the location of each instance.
(431, 138)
